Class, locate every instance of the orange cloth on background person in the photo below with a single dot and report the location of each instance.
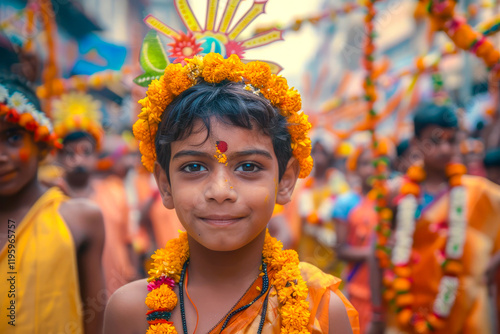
(47, 287)
(110, 195)
(319, 285)
(470, 312)
(362, 221)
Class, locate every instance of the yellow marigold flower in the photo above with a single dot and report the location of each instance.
(257, 73)
(215, 70)
(162, 297)
(292, 102)
(306, 166)
(235, 68)
(294, 315)
(276, 89)
(299, 126)
(177, 80)
(161, 329)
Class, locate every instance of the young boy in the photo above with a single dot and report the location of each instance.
(222, 157)
(50, 246)
(445, 240)
(77, 121)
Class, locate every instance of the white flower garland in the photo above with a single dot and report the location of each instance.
(405, 229)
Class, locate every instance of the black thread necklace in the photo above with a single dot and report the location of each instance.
(265, 287)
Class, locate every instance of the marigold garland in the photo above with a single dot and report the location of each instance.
(398, 283)
(291, 287)
(213, 68)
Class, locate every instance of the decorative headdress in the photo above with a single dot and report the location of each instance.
(17, 109)
(77, 111)
(195, 58)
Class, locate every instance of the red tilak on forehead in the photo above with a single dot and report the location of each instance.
(222, 146)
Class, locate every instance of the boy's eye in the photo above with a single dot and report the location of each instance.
(14, 137)
(248, 167)
(191, 168)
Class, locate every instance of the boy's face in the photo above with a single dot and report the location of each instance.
(225, 206)
(78, 157)
(19, 157)
(437, 146)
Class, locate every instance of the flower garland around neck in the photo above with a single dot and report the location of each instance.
(399, 285)
(168, 263)
(213, 68)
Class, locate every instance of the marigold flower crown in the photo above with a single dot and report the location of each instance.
(77, 111)
(213, 68)
(17, 109)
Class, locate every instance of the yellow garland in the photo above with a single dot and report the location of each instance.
(291, 287)
(213, 68)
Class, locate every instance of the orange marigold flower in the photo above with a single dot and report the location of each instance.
(292, 102)
(436, 322)
(402, 271)
(453, 268)
(454, 169)
(404, 317)
(25, 118)
(389, 295)
(177, 80)
(455, 181)
(306, 167)
(410, 188)
(162, 297)
(416, 173)
(401, 284)
(257, 73)
(405, 299)
(161, 329)
(386, 214)
(214, 70)
(298, 126)
(235, 68)
(276, 89)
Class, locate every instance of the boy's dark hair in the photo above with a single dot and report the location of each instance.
(428, 114)
(77, 135)
(230, 103)
(492, 158)
(402, 147)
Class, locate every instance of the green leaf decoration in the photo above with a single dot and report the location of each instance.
(145, 79)
(153, 59)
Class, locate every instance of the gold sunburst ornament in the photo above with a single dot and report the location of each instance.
(77, 111)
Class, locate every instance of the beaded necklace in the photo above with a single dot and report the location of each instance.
(169, 268)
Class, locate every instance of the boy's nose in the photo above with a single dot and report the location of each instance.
(219, 188)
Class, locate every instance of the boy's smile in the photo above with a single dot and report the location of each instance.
(222, 206)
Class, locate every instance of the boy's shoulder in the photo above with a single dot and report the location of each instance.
(324, 290)
(84, 219)
(316, 278)
(126, 309)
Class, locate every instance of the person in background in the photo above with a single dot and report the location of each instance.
(54, 247)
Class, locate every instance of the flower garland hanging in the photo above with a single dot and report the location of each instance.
(443, 17)
(399, 286)
(380, 162)
(166, 273)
